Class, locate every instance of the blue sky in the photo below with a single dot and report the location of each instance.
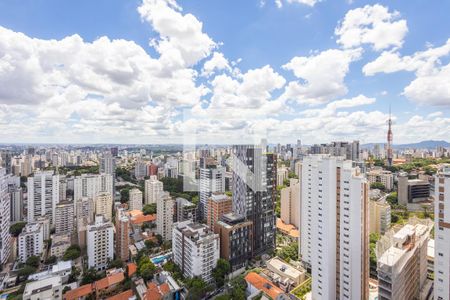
(249, 35)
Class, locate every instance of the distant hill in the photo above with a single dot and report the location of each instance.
(420, 145)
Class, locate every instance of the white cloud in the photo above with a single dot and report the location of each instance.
(431, 89)
(332, 107)
(251, 90)
(432, 83)
(374, 25)
(423, 62)
(279, 3)
(322, 76)
(216, 63)
(181, 36)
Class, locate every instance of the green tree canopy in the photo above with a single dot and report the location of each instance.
(16, 229)
(149, 209)
(73, 252)
(220, 271)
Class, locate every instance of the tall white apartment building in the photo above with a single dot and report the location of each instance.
(31, 241)
(135, 199)
(290, 203)
(153, 189)
(442, 235)
(5, 221)
(334, 224)
(104, 205)
(43, 195)
(402, 261)
(196, 249)
(100, 243)
(64, 215)
(89, 185)
(164, 215)
(212, 180)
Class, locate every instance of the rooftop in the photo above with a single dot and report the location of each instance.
(128, 294)
(39, 286)
(284, 268)
(109, 281)
(79, 292)
(263, 285)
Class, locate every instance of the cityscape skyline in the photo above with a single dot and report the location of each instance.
(150, 82)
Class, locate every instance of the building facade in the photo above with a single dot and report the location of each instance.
(217, 205)
(402, 261)
(254, 193)
(43, 195)
(212, 180)
(100, 243)
(122, 225)
(334, 222)
(135, 199)
(380, 217)
(195, 249)
(104, 205)
(290, 203)
(164, 215)
(236, 240)
(64, 217)
(442, 235)
(5, 218)
(31, 241)
(153, 189)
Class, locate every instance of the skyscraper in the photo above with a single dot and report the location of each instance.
(135, 199)
(64, 215)
(164, 215)
(5, 237)
(212, 180)
(43, 195)
(290, 203)
(442, 235)
(390, 137)
(103, 205)
(334, 223)
(100, 243)
(153, 189)
(254, 190)
(122, 234)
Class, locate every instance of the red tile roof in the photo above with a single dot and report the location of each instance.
(81, 291)
(108, 281)
(122, 296)
(132, 268)
(263, 285)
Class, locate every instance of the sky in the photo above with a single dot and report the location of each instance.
(166, 71)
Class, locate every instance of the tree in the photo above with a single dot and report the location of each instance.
(197, 288)
(74, 274)
(51, 260)
(289, 252)
(220, 271)
(150, 244)
(173, 269)
(149, 209)
(146, 269)
(159, 238)
(66, 289)
(33, 261)
(392, 199)
(16, 229)
(116, 263)
(73, 252)
(90, 275)
(377, 185)
(26, 271)
(373, 238)
(238, 287)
